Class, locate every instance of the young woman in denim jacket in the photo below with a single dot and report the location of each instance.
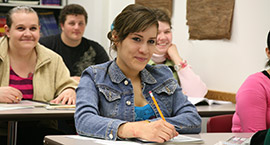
(112, 98)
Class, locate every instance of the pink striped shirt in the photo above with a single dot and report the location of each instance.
(23, 84)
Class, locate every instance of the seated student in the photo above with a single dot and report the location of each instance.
(166, 53)
(252, 112)
(113, 98)
(77, 51)
(30, 71)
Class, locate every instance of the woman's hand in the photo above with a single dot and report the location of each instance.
(157, 131)
(173, 54)
(68, 96)
(10, 95)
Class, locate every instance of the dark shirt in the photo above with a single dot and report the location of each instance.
(77, 58)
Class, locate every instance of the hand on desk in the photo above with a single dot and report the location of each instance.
(157, 131)
(10, 95)
(68, 96)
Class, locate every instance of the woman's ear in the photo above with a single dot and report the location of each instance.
(267, 51)
(114, 36)
(7, 30)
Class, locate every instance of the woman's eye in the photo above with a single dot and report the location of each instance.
(136, 39)
(33, 28)
(167, 32)
(152, 42)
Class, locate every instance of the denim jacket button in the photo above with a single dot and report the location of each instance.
(110, 136)
(126, 82)
(128, 103)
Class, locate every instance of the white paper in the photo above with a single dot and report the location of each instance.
(104, 142)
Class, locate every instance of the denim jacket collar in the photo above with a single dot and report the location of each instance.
(117, 75)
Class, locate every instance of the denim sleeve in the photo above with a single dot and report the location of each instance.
(88, 122)
(185, 117)
(183, 114)
(174, 105)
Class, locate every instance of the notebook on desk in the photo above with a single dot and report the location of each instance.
(205, 101)
(235, 141)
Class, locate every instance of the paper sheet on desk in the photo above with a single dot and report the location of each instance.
(104, 142)
(178, 139)
(24, 104)
(185, 139)
(15, 107)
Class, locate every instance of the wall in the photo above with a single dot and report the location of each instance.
(222, 64)
(97, 19)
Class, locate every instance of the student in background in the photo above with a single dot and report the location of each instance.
(166, 53)
(113, 100)
(30, 71)
(252, 111)
(78, 52)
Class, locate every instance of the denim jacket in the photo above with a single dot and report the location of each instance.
(105, 100)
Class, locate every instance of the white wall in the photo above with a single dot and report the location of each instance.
(222, 64)
(97, 27)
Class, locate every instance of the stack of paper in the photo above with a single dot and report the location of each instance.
(52, 106)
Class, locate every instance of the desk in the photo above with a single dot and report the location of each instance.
(213, 110)
(36, 113)
(209, 139)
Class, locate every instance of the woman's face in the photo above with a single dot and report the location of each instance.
(134, 52)
(24, 32)
(164, 38)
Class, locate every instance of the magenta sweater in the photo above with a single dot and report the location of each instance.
(253, 104)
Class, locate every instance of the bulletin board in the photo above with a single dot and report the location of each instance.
(156, 4)
(210, 19)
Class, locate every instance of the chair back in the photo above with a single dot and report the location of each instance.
(220, 123)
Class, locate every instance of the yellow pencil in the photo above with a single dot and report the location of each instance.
(156, 104)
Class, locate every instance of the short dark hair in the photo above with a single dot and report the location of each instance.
(72, 9)
(163, 15)
(268, 40)
(268, 47)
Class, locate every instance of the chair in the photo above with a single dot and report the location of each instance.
(220, 123)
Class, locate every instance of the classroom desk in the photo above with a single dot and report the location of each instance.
(208, 138)
(213, 110)
(36, 113)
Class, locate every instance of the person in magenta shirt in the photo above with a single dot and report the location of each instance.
(253, 100)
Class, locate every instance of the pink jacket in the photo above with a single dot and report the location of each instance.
(191, 83)
(252, 104)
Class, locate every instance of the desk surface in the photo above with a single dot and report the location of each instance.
(41, 112)
(213, 110)
(31, 113)
(27, 113)
(209, 139)
(35, 114)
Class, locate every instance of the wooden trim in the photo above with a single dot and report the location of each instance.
(219, 95)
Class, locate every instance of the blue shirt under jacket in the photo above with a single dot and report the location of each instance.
(105, 100)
